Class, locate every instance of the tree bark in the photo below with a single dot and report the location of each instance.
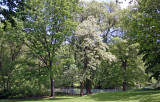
(39, 77)
(8, 82)
(4, 86)
(88, 86)
(51, 75)
(52, 88)
(124, 85)
(124, 72)
(81, 85)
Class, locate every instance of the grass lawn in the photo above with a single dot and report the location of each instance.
(129, 96)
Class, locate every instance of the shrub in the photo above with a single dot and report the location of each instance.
(19, 96)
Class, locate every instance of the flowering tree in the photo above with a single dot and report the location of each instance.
(90, 48)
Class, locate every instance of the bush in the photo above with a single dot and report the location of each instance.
(19, 96)
(5, 94)
(158, 88)
(19, 93)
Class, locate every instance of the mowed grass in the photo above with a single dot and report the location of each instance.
(129, 96)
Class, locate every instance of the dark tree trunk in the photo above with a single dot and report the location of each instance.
(39, 78)
(124, 85)
(124, 72)
(99, 85)
(8, 86)
(0, 64)
(52, 87)
(88, 86)
(4, 86)
(85, 67)
(81, 85)
(51, 76)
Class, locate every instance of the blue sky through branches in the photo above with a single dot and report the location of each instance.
(123, 5)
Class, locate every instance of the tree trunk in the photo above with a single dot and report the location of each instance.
(88, 86)
(51, 76)
(8, 82)
(0, 63)
(52, 88)
(39, 77)
(4, 86)
(124, 85)
(81, 85)
(124, 72)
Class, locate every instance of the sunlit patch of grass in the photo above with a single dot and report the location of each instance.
(129, 96)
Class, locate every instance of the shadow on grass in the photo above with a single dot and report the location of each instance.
(51, 99)
(141, 96)
(59, 98)
(21, 100)
(36, 100)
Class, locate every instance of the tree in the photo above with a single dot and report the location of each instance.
(67, 71)
(142, 24)
(129, 63)
(91, 49)
(48, 24)
(107, 16)
(11, 42)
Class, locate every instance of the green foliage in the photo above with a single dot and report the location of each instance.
(12, 9)
(91, 44)
(66, 68)
(107, 15)
(143, 26)
(19, 96)
(90, 47)
(46, 32)
(40, 40)
(124, 51)
(49, 24)
(11, 42)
